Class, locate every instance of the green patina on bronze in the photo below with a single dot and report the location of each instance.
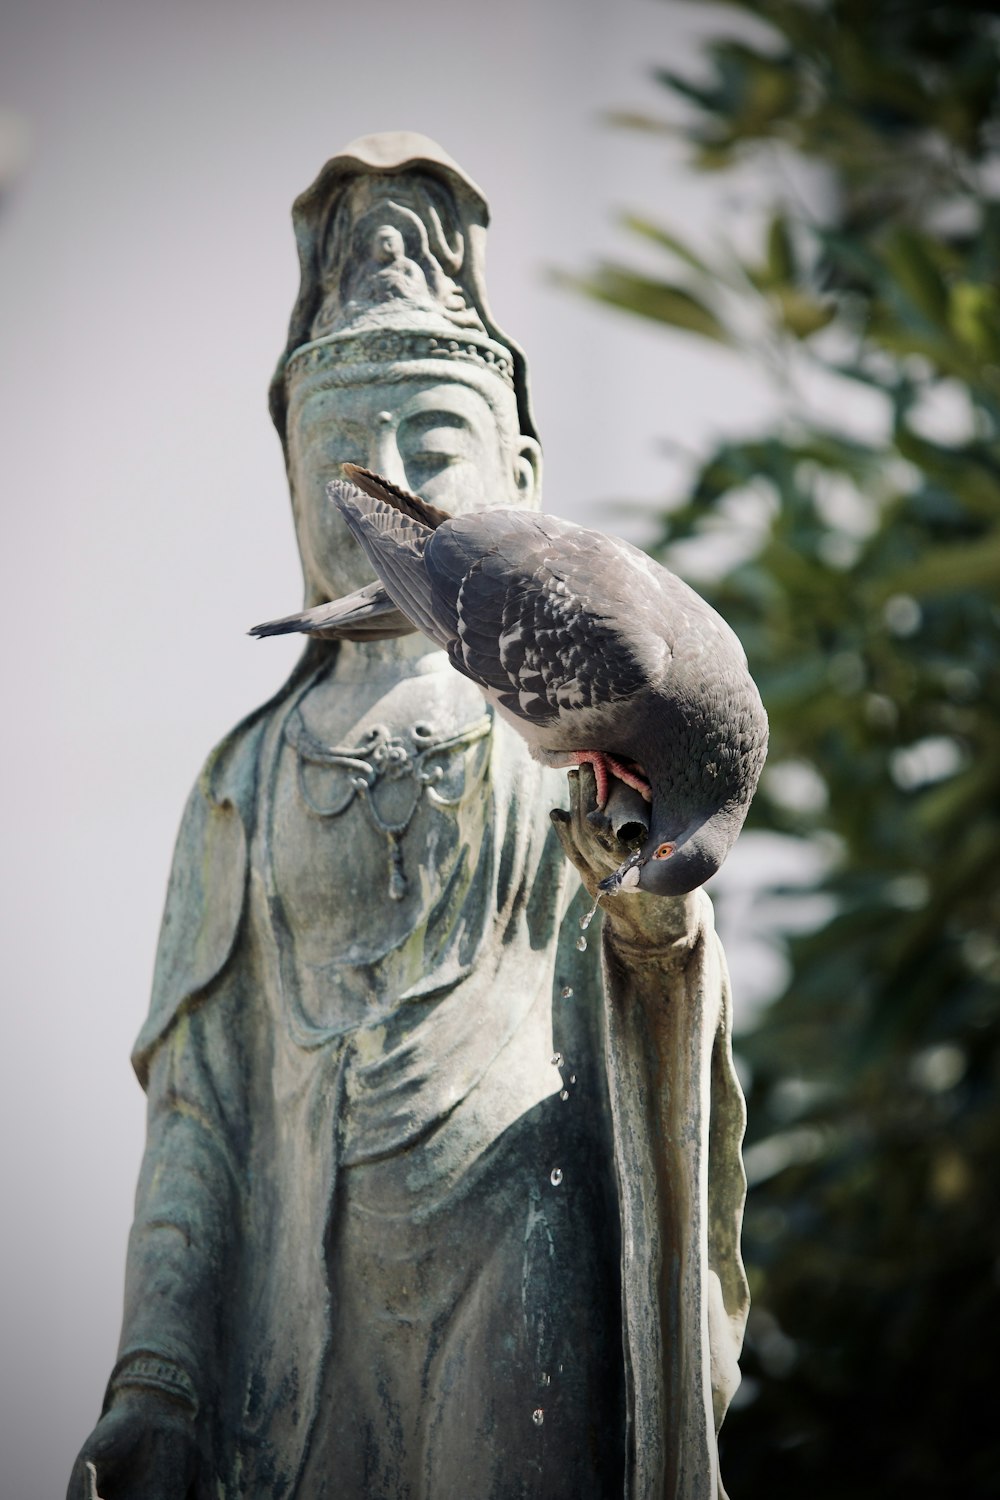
(434, 1203)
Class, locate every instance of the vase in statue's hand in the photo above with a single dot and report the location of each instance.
(591, 844)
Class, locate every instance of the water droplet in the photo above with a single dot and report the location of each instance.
(572, 1078)
(546, 1379)
(567, 992)
(556, 1059)
(555, 1176)
(585, 921)
(581, 944)
(538, 1416)
(564, 1094)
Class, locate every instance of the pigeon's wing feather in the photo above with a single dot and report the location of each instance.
(367, 614)
(531, 619)
(534, 609)
(395, 543)
(393, 494)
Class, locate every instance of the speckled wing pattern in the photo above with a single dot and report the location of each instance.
(521, 591)
(513, 598)
(395, 544)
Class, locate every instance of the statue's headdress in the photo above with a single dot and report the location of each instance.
(392, 240)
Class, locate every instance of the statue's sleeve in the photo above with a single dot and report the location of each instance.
(188, 1058)
(205, 895)
(678, 1122)
(188, 1200)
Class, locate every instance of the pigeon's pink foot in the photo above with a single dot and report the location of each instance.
(632, 775)
(606, 766)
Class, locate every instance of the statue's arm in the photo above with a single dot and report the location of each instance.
(180, 1258)
(679, 1116)
(188, 1200)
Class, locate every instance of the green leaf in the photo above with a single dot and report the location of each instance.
(907, 256)
(974, 316)
(801, 314)
(780, 259)
(672, 243)
(660, 301)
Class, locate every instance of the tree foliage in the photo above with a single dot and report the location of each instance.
(869, 604)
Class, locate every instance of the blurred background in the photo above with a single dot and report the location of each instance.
(751, 252)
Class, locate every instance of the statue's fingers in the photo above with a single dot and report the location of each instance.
(562, 822)
(588, 790)
(83, 1480)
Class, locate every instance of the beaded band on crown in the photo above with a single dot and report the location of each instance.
(352, 354)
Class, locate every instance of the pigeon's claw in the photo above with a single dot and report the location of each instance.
(632, 775)
(599, 762)
(606, 766)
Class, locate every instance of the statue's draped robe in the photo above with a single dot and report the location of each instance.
(274, 1130)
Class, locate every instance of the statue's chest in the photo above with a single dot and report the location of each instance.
(377, 818)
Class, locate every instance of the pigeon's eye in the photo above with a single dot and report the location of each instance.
(664, 851)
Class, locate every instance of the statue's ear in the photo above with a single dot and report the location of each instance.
(528, 471)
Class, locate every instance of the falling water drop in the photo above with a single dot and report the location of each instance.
(555, 1176)
(546, 1379)
(538, 1416)
(564, 1094)
(572, 1078)
(585, 921)
(581, 944)
(567, 992)
(556, 1059)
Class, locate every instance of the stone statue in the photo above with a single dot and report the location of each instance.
(437, 1200)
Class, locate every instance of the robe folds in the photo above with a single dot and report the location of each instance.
(259, 1112)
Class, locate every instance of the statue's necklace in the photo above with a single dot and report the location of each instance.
(380, 758)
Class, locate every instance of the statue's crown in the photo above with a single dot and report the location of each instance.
(391, 240)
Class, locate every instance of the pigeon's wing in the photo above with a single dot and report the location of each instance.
(394, 542)
(367, 614)
(411, 505)
(534, 609)
(527, 602)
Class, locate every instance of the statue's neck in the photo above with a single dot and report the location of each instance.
(372, 661)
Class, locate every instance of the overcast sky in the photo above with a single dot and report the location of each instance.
(147, 271)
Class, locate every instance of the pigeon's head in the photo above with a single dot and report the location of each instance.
(675, 866)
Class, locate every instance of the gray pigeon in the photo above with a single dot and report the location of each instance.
(595, 653)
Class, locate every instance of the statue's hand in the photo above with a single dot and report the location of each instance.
(143, 1448)
(589, 843)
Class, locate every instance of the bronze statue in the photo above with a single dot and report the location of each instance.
(438, 1200)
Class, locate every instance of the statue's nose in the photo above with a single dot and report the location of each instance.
(383, 451)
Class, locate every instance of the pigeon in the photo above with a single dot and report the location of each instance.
(594, 652)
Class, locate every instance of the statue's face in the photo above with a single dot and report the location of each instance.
(440, 439)
(388, 244)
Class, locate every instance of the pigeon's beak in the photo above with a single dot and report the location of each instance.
(625, 878)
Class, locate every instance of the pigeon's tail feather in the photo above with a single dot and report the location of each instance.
(366, 615)
(393, 494)
(394, 543)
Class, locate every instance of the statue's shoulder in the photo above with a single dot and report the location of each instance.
(208, 879)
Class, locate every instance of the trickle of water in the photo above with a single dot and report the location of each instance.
(555, 1176)
(546, 1379)
(556, 1059)
(538, 1416)
(564, 1094)
(567, 992)
(581, 944)
(586, 920)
